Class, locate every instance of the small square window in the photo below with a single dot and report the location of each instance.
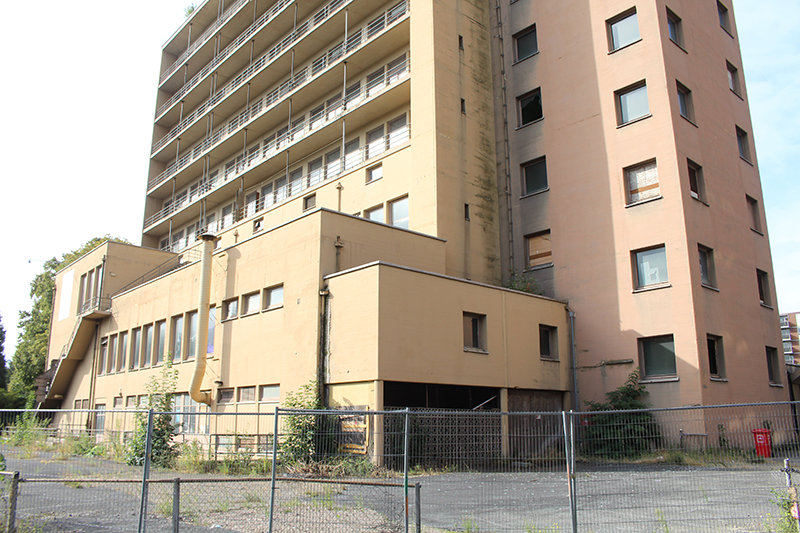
(632, 103)
(534, 176)
(118, 402)
(716, 358)
(685, 104)
(398, 210)
(675, 28)
(273, 297)
(548, 342)
(696, 184)
(763, 287)
(526, 44)
(707, 273)
(474, 332)
(258, 224)
(642, 182)
(247, 394)
(623, 30)
(225, 396)
(251, 303)
(773, 367)
(733, 79)
(374, 173)
(744, 143)
(540, 249)
(230, 309)
(755, 214)
(309, 202)
(269, 393)
(724, 17)
(530, 107)
(657, 357)
(130, 402)
(375, 214)
(650, 266)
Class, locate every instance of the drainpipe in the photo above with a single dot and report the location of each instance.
(573, 352)
(201, 355)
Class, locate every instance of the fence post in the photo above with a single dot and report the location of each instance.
(273, 473)
(176, 505)
(11, 518)
(405, 464)
(148, 451)
(418, 504)
(569, 445)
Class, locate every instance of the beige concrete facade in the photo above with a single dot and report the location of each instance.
(373, 172)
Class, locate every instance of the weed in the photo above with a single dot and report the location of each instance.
(662, 521)
(28, 432)
(250, 497)
(74, 484)
(470, 525)
(535, 529)
(291, 505)
(785, 523)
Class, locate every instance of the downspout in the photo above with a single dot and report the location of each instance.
(573, 353)
(201, 354)
(93, 377)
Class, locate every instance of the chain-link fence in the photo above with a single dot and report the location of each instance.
(698, 469)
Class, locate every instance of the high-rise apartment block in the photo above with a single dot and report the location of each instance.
(353, 192)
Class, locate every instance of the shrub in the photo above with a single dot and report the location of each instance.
(308, 436)
(160, 391)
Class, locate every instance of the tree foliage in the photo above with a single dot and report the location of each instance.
(160, 393)
(309, 437)
(188, 10)
(30, 356)
(626, 434)
(3, 370)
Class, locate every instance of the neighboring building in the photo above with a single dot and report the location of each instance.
(790, 335)
(373, 172)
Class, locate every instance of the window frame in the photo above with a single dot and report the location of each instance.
(309, 202)
(627, 173)
(542, 252)
(474, 332)
(675, 22)
(709, 265)
(620, 97)
(716, 360)
(269, 295)
(755, 214)
(697, 188)
(246, 389)
(743, 142)
(534, 164)
(530, 30)
(399, 222)
(269, 399)
(374, 173)
(249, 307)
(643, 343)
(685, 102)
(377, 209)
(227, 313)
(531, 96)
(724, 17)
(773, 367)
(613, 46)
(551, 334)
(764, 292)
(638, 275)
(734, 81)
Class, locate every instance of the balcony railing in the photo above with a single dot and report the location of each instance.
(303, 77)
(258, 65)
(281, 140)
(240, 40)
(200, 41)
(96, 303)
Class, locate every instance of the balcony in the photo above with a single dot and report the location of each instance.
(284, 139)
(320, 66)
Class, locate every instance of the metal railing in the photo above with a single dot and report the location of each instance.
(280, 142)
(203, 38)
(96, 303)
(184, 258)
(240, 40)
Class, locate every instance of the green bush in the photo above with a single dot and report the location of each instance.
(308, 437)
(160, 391)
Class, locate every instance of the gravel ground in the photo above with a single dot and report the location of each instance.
(611, 498)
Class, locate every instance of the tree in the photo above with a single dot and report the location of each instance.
(160, 394)
(3, 371)
(31, 353)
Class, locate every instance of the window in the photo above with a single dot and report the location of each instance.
(773, 368)
(398, 210)
(548, 342)
(526, 44)
(463, 106)
(225, 396)
(147, 344)
(273, 297)
(744, 144)
(123, 351)
(295, 181)
(251, 303)
(733, 79)
(177, 338)
(230, 309)
(258, 224)
(755, 215)
(100, 420)
(707, 274)
(534, 176)
(130, 402)
(530, 107)
(398, 131)
(212, 319)
(787, 347)
(136, 345)
(309, 202)
(716, 360)
(333, 164)
(460, 42)
(352, 155)
(696, 184)
(375, 214)
(376, 142)
(651, 266)
(247, 394)
(724, 17)
(657, 356)
(103, 356)
(374, 173)
(623, 30)
(539, 249)
(632, 104)
(685, 105)
(118, 402)
(269, 393)
(227, 217)
(474, 332)
(112, 354)
(191, 349)
(161, 340)
(675, 28)
(315, 172)
(642, 182)
(763, 287)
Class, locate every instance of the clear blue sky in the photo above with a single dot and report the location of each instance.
(75, 72)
